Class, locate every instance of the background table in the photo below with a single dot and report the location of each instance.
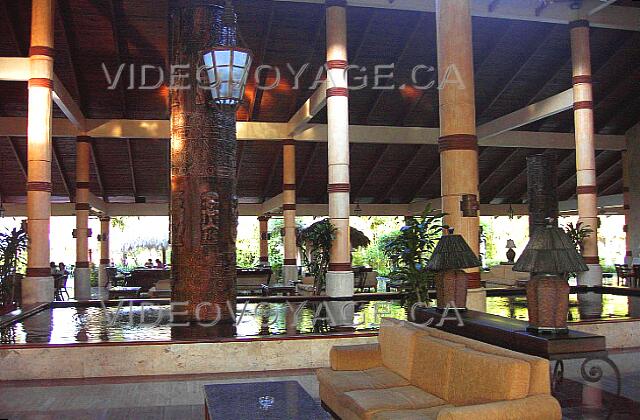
(240, 401)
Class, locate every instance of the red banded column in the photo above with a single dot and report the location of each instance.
(290, 266)
(626, 197)
(81, 274)
(340, 276)
(458, 142)
(585, 148)
(264, 239)
(38, 285)
(105, 260)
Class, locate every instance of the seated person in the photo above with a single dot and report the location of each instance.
(149, 263)
(159, 264)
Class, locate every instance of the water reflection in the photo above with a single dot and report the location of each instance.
(147, 322)
(582, 306)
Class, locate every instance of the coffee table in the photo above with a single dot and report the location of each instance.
(285, 400)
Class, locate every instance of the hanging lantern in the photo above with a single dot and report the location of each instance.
(228, 69)
(226, 64)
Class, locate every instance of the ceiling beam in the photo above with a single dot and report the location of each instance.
(63, 174)
(370, 172)
(612, 204)
(21, 164)
(531, 113)
(94, 159)
(613, 17)
(259, 131)
(397, 177)
(272, 174)
(15, 69)
(307, 169)
(316, 102)
(132, 171)
(254, 108)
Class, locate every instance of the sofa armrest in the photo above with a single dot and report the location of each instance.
(357, 357)
(529, 408)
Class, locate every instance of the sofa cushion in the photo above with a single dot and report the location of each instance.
(344, 380)
(420, 414)
(539, 384)
(397, 345)
(432, 365)
(478, 378)
(367, 402)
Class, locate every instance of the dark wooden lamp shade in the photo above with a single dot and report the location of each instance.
(549, 256)
(451, 255)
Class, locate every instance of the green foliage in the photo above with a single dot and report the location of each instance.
(316, 242)
(93, 275)
(578, 233)
(491, 252)
(13, 248)
(276, 246)
(118, 223)
(374, 257)
(248, 250)
(410, 250)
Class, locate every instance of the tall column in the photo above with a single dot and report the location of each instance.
(290, 266)
(340, 277)
(204, 205)
(458, 142)
(626, 199)
(38, 285)
(81, 275)
(264, 239)
(585, 148)
(105, 225)
(633, 195)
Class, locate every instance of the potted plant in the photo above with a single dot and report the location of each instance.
(13, 246)
(315, 243)
(410, 250)
(578, 233)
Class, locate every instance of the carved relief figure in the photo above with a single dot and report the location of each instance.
(209, 211)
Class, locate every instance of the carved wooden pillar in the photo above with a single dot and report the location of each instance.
(105, 259)
(204, 206)
(264, 239)
(585, 148)
(458, 142)
(290, 266)
(81, 274)
(38, 285)
(340, 276)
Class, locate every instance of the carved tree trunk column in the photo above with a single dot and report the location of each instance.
(203, 177)
(38, 285)
(290, 266)
(340, 276)
(626, 199)
(458, 142)
(105, 259)
(264, 239)
(81, 275)
(585, 148)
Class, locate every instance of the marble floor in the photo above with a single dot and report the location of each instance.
(181, 397)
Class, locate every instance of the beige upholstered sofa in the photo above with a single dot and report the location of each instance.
(416, 372)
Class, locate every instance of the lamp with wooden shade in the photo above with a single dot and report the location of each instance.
(549, 256)
(449, 258)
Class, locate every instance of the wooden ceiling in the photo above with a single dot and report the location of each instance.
(516, 63)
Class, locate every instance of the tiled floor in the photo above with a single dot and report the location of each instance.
(127, 398)
(181, 397)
